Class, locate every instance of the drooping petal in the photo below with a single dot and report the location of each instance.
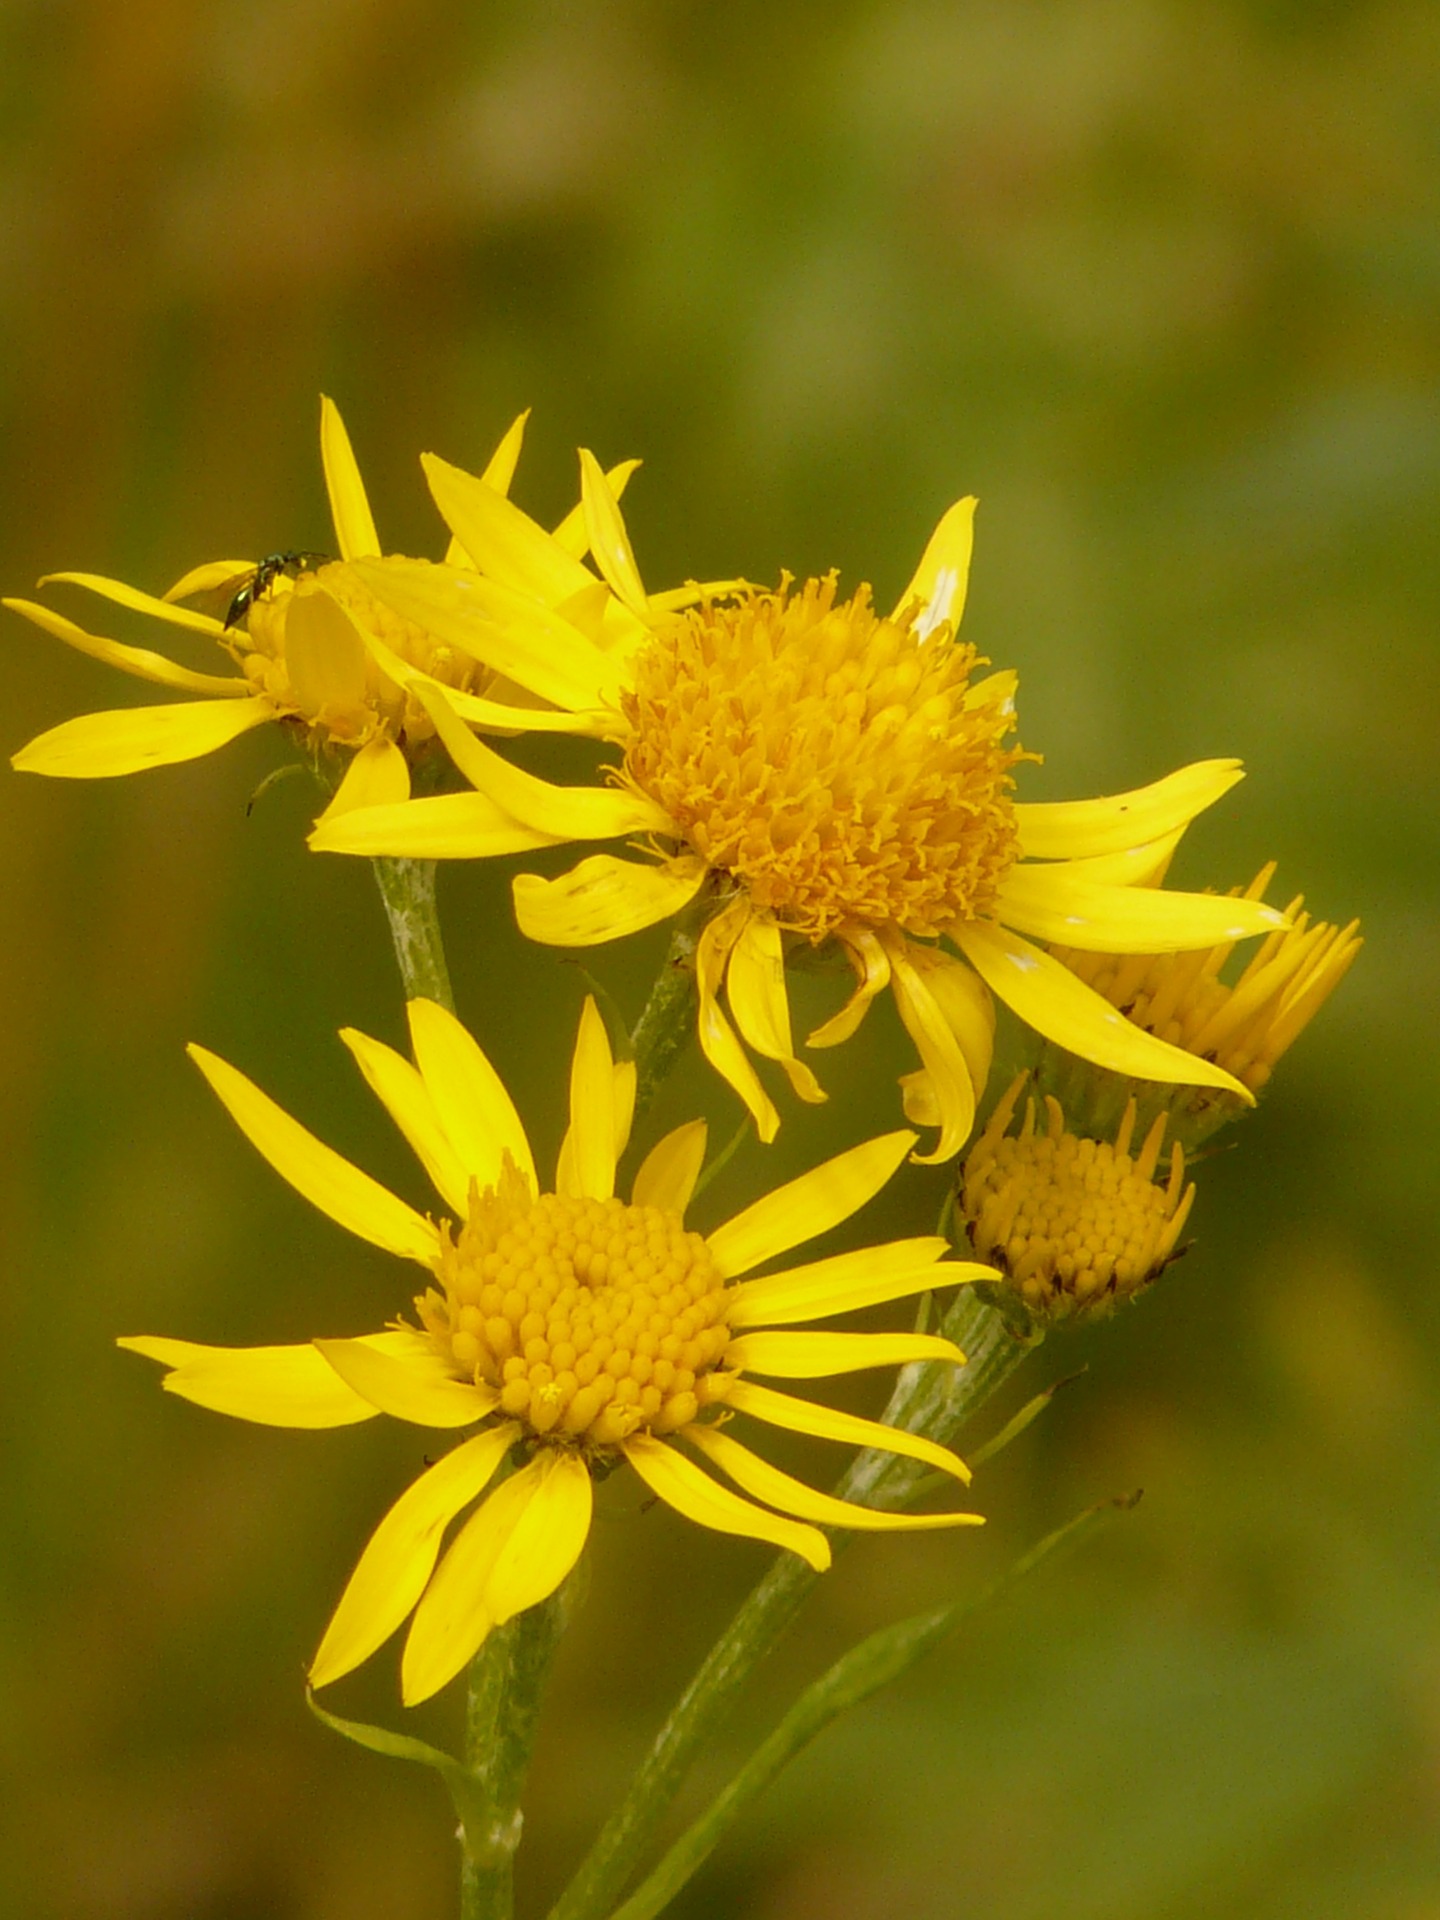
(1079, 912)
(513, 632)
(943, 575)
(98, 746)
(755, 983)
(139, 661)
(139, 602)
(1049, 997)
(440, 826)
(682, 1485)
(349, 508)
(817, 1201)
(474, 707)
(782, 1490)
(1070, 829)
(603, 898)
(520, 1538)
(945, 1063)
(406, 1098)
(608, 539)
(864, 1277)
(717, 1037)
(815, 1356)
(414, 1384)
(378, 776)
(669, 1171)
(503, 542)
(872, 975)
(324, 1177)
(273, 1386)
(324, 654)
(400, 1556)
(828, 1423)
(592, 1107)
(476, 1112)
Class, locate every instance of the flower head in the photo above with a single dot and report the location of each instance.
(1075, 1225)
(304, 641)
(572, 1331)
(805, 771)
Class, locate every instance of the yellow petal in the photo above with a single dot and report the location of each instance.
(476, 1112)
(682, 1485)
(210, 577)
(138, 661)
(1047, 996)
(592, 1106)
(965, 1004)
(502, 541)
(1067, 829)
(324, 654)
(717, 1037)
(414, 1384)
(609, 541)
(98, 746)
(392, 1572)
(512, 632)
(626, 1078)
(441, 826)
(378, 775)
(1077, 912)
(500, 467)
(274, 1386)
(945, 1064)
(669, 1171)
(1142, 866)
(139, 602)
(406, 1099)
(503, 717)
(943, 576)
(572, 534)
(755, 983)
(603, 898)
(326, 1180)
(872, 974)
(864, 1277)
(518, 1540)
(349, 509)
(828, 1423)
(813, 1204)
(814, 1356)
(758, 1477)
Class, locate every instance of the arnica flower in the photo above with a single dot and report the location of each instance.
(572, 1331)
(1243, 1027)
(1076, 1225)
(312, 648)
(806, 770)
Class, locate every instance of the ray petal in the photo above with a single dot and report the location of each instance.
(139, 602)
(1049, 997)
(571, 534)
(669, 1171)
(1069, 829)
(682, 1485)
(815, 1356)
(474, 1108)
(1079, 912)
(603, 898)
(828, 1423)
(755, 984)
(349, 508)
(403, 1093)
(273, 1386)
(324, 1177)
(393, 1571)
(502, 541)
(414, 1384)
(717, 1037)
(592, 1107)
(943, 576)
(440, 826)
(139, 661)
(781, 1490)
(864, 1277)
(817, 1201)
(378, 776)
(98, 746)
(943, 1057)
(324, 654)
(871, 966)
(607, 536)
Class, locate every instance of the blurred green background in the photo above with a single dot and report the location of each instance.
(1156, 279)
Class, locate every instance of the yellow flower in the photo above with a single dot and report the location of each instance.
(572, 1330)
(815, 772)
(310, 646)
(1243, 1027)
(1075, 1224)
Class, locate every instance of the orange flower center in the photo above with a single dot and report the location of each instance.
(592, 1318)
(838, 765)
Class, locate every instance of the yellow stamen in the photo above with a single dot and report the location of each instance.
(594, 1319)
(1076, 1225)
(839, 765)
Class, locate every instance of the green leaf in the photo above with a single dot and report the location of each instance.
(1014, 1428)
(466, 1790)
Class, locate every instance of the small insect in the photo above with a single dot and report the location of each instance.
(254, 586)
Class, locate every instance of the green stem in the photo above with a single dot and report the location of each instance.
(668, 1018)
(930, 1398)
(408, 889)
(507, 1679)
